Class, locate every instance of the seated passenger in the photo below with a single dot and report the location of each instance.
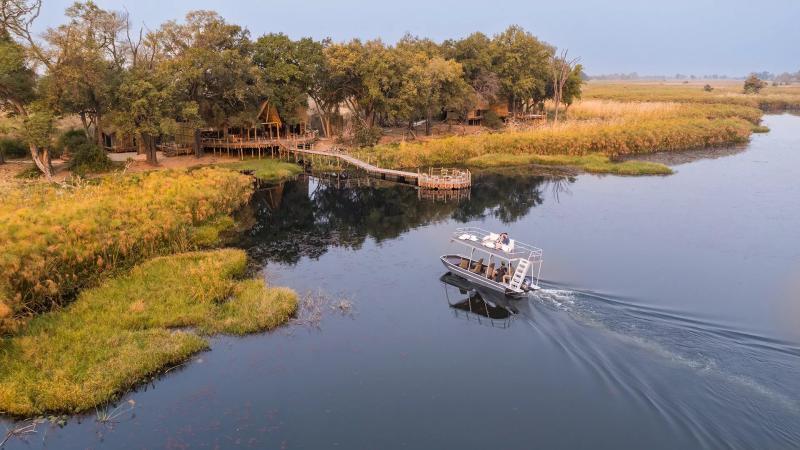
(508, 275)
(500, 273)
(478, 266)
(490, 271)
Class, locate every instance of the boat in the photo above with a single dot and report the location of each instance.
(481, 257)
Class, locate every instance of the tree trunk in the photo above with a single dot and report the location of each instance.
(98, 130)
(428, 123)
(42, 160)
(85, 124)
(2, 157)
(150, 149)
(198, 145)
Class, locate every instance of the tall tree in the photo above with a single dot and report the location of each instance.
(562, 69)
(522, 64)
(18, 91)
(85, 59)
(365, 75)
(286, 69)
(208, 63)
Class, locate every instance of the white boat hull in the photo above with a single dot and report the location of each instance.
(451, 262)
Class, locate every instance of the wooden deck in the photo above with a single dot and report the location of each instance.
(300, 148)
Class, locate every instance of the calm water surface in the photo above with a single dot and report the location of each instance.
(670, 319)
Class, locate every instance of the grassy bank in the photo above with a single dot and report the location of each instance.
(266, 169)
(610, 138)
(595, 163)
(131, 326)
(56, 240)
(592, 134)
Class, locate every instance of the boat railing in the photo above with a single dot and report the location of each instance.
(520, 250)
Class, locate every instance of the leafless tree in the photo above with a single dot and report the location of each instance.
(561, 67)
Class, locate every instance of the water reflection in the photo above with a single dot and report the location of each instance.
(302, 218)
(469, 304)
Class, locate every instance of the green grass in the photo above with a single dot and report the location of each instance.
(595, 163)
(133, 326)
(267, 169)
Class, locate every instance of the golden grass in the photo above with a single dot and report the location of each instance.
(771, 98)
(55, 240)
(594, 163)
(612, 120)
(132, 326)
(575, 138)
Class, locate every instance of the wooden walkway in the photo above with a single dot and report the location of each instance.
(440, 179)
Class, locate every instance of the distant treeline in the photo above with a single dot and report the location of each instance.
(783, 78)
(206, 72)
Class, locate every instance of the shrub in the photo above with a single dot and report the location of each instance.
(69, 141)
(753, 85)
(708, 88)
(85, 156)
(492, 120)
(55, 240)
(13, 148)
(366, 136)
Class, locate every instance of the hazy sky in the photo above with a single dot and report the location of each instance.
(731, 37)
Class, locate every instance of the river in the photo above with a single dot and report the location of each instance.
(669, 318)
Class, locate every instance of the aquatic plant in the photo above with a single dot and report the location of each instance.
(132, 326)
(55, 240)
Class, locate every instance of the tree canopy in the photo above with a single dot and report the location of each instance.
(203, 71)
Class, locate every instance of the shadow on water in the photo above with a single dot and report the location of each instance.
(303, 218)
(749, 376)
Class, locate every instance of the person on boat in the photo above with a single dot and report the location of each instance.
(502, 240)
(507, 276)
(500, 273)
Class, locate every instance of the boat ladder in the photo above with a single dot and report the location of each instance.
(519, 274)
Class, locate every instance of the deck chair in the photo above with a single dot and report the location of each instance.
(464, 264)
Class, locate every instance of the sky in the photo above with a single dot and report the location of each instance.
(701, 37)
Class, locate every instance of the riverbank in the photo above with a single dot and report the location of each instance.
(615, 121)
(132, 326)
(77, 325)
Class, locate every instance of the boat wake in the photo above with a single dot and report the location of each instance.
(723, 387)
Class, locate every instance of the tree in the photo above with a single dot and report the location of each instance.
(18, 92)
(325, 89)
(474, 53)
(207, 62)
(753, 84)
(141, 110)
(286, 67)
(562, 69)
(364, 72)
(573, 86)
(85, 59)
(522, 64)
(430, 85)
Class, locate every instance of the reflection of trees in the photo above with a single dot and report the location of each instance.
(303, 218)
